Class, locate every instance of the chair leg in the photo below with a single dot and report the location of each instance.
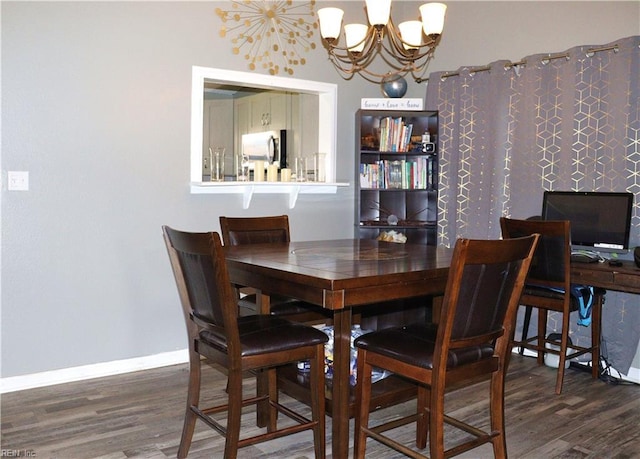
(234, 413)
(596, 324)
(272, 424)
(318, 401)
(422, 424)
(496, 411)
(193, 399)
(436, 421)
(542, 332)
(525, 326)
(564, 341)
(363, 400)
(262, 389)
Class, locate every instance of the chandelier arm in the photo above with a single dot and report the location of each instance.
(351, 69)
(352, 61)
(355, 59)
(418, 73)
(349, 66)
(427, 48)
(413, 67)
(369, 42)
(380, 76)
(405, 67)
(397, 44)
(409, 60)
(363, 59)
(402, 58)
(374, 77)
(348, 73)
(364, 71)
(366, 56)
(423, 51)
(420, 78)
(402, 66)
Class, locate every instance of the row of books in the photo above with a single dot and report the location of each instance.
(395, 135)
(414, 174)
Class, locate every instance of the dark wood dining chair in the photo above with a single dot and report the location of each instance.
(268, 230)
(548, 288)
(471, 341)
(239, 344)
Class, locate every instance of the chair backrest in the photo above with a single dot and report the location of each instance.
(254, 230)
(483, 290)
(551, 263)
(207, 297)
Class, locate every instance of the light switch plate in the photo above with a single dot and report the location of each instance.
(18, 180)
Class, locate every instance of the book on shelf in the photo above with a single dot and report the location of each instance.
(395, 134)
(416, 174)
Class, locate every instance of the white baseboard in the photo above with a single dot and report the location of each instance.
(632, 376)
(97, 370)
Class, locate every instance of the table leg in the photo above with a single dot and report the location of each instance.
(436, 308)
(340, 393)
(263, 303)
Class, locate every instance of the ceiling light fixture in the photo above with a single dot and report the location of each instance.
(402, 48)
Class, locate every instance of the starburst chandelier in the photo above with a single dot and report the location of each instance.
(406, 48)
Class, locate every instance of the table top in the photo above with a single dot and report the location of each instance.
(363, 265)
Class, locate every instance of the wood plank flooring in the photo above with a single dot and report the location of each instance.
(139, 415)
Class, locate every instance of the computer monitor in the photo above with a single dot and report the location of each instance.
(600, 221)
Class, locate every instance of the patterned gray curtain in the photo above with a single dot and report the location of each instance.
(565, 121)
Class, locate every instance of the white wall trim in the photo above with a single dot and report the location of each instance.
(116, 367)
(97, 370)
(633, 375)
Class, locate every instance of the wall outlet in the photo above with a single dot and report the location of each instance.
(18, 180)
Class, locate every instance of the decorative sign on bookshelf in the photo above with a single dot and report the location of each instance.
(391, 104)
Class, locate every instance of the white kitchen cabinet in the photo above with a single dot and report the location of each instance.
(270, 111)
(264, 111)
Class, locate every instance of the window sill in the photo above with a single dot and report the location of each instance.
(248, 189)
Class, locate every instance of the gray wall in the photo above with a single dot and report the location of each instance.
(96, 106)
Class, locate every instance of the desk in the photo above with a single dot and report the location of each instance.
(625, 278)
(338, 275)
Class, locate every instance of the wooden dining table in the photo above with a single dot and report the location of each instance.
(340, 275)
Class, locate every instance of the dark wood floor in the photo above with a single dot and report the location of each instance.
(140, 415)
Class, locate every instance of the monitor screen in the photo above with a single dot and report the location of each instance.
(599, 220)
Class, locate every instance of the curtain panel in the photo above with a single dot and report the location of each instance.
(562, 121)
